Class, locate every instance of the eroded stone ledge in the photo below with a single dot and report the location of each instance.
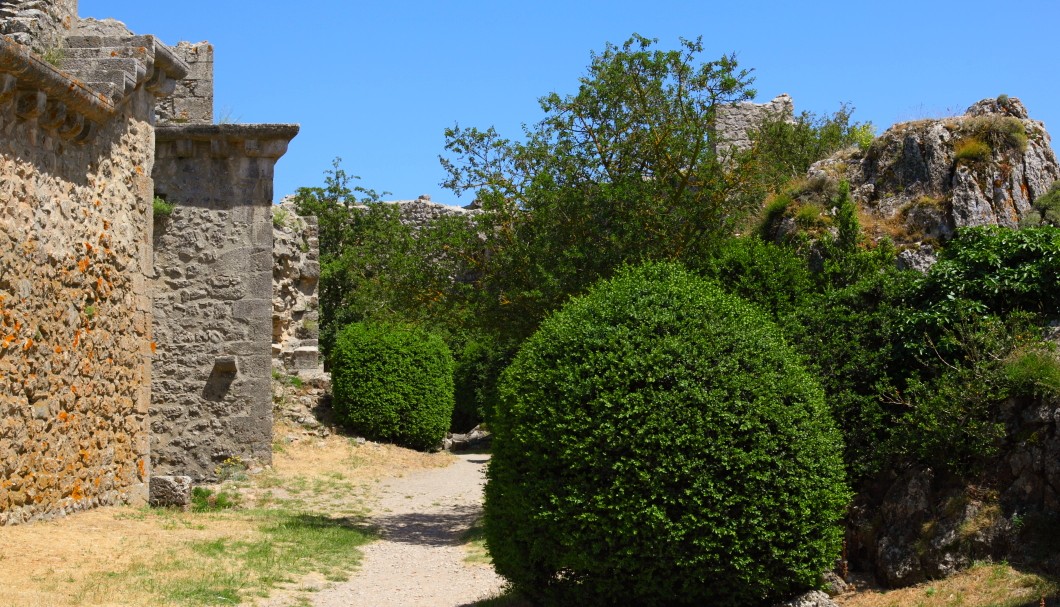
(224, 140)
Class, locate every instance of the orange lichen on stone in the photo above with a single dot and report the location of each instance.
(83, 264)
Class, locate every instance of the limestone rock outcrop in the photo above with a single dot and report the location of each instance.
(924, 179)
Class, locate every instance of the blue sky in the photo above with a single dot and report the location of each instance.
(376, 83)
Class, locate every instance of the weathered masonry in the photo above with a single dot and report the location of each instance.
(95, 291)
(76, 155)
(213, 307)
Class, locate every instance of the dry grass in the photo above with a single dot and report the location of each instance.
(146, 557)
(985, 585)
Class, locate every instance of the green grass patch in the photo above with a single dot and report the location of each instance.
(232, 570)
(474, 540)
(208, 500)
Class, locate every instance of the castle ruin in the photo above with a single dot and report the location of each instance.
(130, 345)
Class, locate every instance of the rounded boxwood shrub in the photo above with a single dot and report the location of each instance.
(657, 443)
(392, 383)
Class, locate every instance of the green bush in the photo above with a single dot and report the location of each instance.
(971, 150)
(161, 208)
(1046, 209)
(1001, 133)
(995, 270)
(658, 444)
(393, 383)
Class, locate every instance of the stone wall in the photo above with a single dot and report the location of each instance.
(38, 24)
(75, 315)
(213, 296)
(736, 122)
(192, 101)
(422, 211)
(295, 304)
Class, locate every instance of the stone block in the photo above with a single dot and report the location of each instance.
(170, 491)
(306, 358)
(252, 308)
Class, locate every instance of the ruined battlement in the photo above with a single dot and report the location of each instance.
(192, 100)
(734, 123)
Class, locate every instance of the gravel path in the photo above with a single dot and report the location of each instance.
(422, 517)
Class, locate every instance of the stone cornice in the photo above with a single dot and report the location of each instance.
(23, 74)
(225, 140)
(66, 101)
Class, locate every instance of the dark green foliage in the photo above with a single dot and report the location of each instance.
(478, 368)
(374, 267)
(989, 270)
(1045, 209)
(950, 402)
(769, 275)
(659, 444)
(393, 383)
(846, 334)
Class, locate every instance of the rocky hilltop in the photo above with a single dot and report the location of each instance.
(922, 180)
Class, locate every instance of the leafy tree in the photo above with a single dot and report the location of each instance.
(784, 149)
(623, 170)
(373, 266)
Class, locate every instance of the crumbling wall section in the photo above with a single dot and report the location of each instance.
(75, 228)
(734, 123)
(192, 101)
(213, 296)
(422, 211)
(295, 303)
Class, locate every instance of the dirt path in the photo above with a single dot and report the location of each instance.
(420, 559)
